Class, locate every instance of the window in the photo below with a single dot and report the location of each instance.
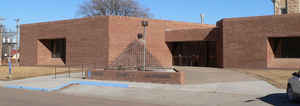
(284, 7)
(284, 11)
(298, 6)
(58, 48)
(285, 47)
(198, 53)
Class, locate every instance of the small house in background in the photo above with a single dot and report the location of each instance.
(9, 47)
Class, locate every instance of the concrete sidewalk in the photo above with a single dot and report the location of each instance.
(206, 80)
(54, 83)
(255, 87)
(214, 90)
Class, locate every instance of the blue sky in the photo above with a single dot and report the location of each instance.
(32, 11)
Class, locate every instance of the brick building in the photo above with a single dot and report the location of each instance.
(96, 40)
(250, 42)
(286, 6)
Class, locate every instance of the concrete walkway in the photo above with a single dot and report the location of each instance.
(169, 97)
(207, 87)
(254, 87)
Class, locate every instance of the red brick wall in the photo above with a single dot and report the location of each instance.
(196, 34)
(86, 41)
(101, 40)
(138, 76)
(124, 30)
(96, 40)
(246, 45)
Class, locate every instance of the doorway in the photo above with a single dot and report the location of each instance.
(199, 53)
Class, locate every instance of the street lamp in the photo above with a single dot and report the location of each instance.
(145, 24)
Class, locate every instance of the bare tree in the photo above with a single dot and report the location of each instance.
(273, 1)
(113, 8)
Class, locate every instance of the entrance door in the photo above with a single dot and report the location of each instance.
(202, 53)
(211, 54)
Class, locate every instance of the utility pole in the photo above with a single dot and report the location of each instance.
(9, 61)
(18, 32)
(17, 39)
(1, 37)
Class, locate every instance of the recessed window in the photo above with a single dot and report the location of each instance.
(140, 36)
(285, 47)
(284, 11)
(284, 7)
(58, 48)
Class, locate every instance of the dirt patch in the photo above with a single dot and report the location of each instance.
(278, 78)
(204, 75)
(22, 72)
(199, 75)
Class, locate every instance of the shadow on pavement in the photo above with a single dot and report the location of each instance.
(278, 99)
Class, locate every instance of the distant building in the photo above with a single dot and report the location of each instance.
(286, 6)
(9, 47)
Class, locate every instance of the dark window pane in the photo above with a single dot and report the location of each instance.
(58, 48)
(285, 47)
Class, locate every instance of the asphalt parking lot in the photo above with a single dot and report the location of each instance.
(15, 97)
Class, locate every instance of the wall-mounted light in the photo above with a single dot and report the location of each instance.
(145, 23)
